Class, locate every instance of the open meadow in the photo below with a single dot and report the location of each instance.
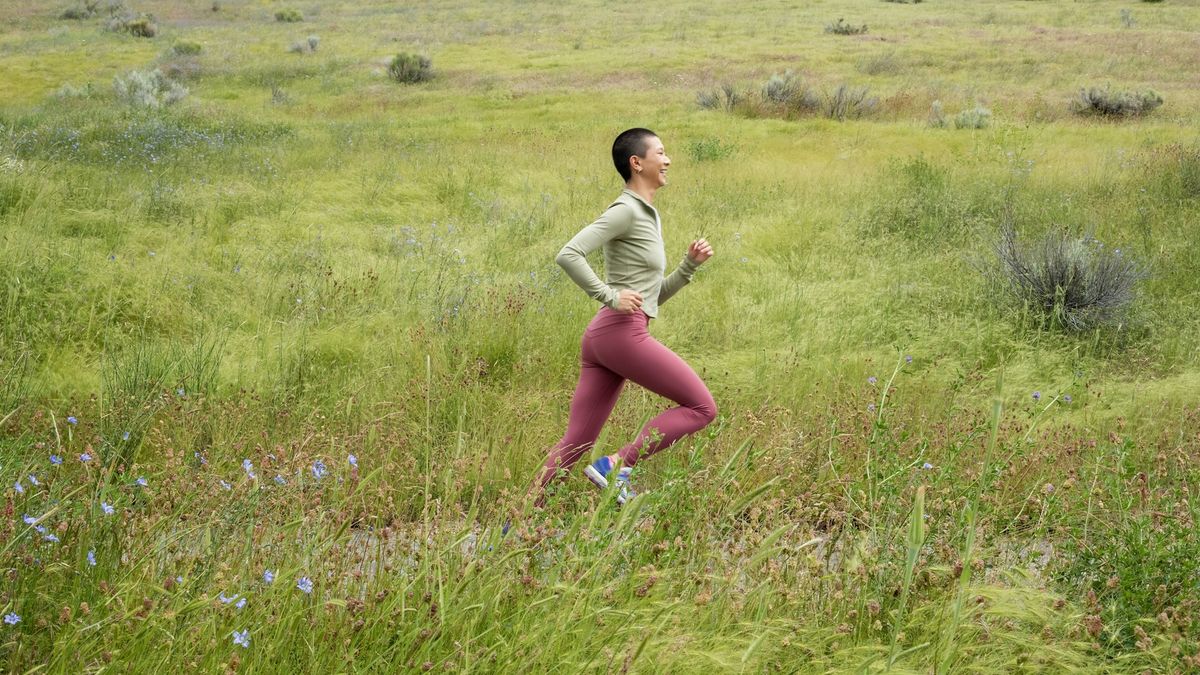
(283, 341)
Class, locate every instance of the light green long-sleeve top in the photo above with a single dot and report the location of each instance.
(634, 258)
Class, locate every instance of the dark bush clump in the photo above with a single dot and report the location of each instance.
(726, 97)
(186, 48)
(87, 10)
(710, 149)
(409, 68)
(840, 27)
(1095, 101)
(122, 20)
(847, 102)
(289, 15)
(1069, 283)
(791, 93)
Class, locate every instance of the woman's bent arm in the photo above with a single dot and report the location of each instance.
(678, 279)
(611, 224)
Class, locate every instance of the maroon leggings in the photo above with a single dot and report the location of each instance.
(618, 347)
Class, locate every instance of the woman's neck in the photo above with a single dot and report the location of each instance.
(643, 189)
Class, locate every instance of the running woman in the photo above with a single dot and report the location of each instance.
(617, 345)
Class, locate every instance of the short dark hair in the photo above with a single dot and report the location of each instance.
(629, 143)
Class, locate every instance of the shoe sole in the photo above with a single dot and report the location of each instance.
(594, 476)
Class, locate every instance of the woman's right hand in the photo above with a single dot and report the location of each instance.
(629, 301)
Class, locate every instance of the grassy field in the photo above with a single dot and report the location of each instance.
(277, 360)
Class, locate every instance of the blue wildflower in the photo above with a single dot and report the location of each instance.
(71, 420)
(180, 392)
(33, 479)
(305, 584)
(240, 603)
(242, 639)
(12, 618)
(871, 407)
(908, 358)
(29, 520)
(280, 480)
(1037, 395)
(268, 576)
(179, 579)
(248, 467)
(226, 599)
(142, 482)
(107, 508)
(51, 538)
(125, 436)
(19, 488)
(85, 457)
(1066, 398)
(91, 557)
(318, 469)
(926, 465)
(225, 484)
(353, 461)
(55, 460)
(41, 529)
(871, 380)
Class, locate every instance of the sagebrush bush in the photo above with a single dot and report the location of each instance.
(1068, 283)
(410, 68)
(186, 48)
(840, 27)
(973, 118)
(289, 15)
(937, 118)
(790, 92)
(148, 89)
(849, 102)
(725, 97)
(1096, 101)
(85, 10)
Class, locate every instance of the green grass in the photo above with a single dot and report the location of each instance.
(303, 260)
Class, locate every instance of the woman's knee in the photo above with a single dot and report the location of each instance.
(707, 409)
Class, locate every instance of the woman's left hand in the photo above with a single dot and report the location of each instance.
(699, 251)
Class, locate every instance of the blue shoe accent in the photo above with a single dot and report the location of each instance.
(624, 485)
(598, 471)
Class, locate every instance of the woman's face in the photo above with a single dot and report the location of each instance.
(655, 162)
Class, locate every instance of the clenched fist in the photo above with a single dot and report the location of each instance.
(699, 251)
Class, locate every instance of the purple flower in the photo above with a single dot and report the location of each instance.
(107, 508)
(280, 480)
(1037, 395)
(29, 520)
(55, 460)
(305, 584)
(908, 359)
(12, 618)
(71, 420)
(240, 603)
(19, 488)
(91, 557)
(353, 461)
(926, 465)
(871, 407)
(248, 467)
(142, 482)
(226, 599)
(33, 479)
(268, 576)
(225, 484)
(85, 457)
(1066, 398)
(51, 538)
(125, 436)
(318, 469)
(242, 639)
(871, 380)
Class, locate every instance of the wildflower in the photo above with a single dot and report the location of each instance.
(926, 466)
(200, 457)
(1066, 398)
(240, 603)
(12, 618)
(19, 488)
(1048, 488)
(125, 436)
(142, 482)
(106, 508)
(871, 407)
(318, 469)
(871, 380)
(55, 460)
(280, 480)
(29, 520)
(33, 479)
(1037, 395)
(91, 557)
(226, 599)
(41, 529)
(225, 484)
(71, 420)
(268, 576)
(353, 461)
(85, 457)
(152, 254)
(248, 467)
(179, 579)
(180, 392)
(242, 639)
(305, 584)
(53, 538)
(908, 358)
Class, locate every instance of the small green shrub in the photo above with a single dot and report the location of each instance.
(313, 42)
(306, 46)
(141, 25)
(1068, 283)
(1107, 103)
(885, 63)
(726, 97)
(410, 68)
(86, 10)
(289, 15)
(790, 92)
(973, 118)
(840, 27)
(710, 150)
(186, 48)
(148, 89)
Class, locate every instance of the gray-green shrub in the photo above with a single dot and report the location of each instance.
(849, 102)
(790, 92)
(289, 15)
(937, 117)
(725, 97)
(1108, 103)
(973, 118)
(148, 89)
(1068, 283)
(409, 68)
